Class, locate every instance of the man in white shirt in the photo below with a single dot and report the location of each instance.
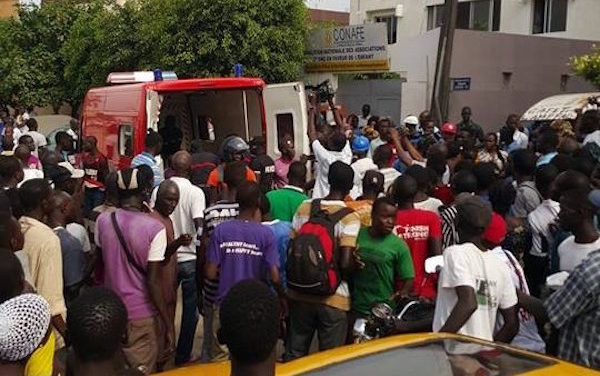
(38, 138)
(360, 147)
(382, 157)
(540, 221)
(577, 215)
(363, 120)
(187, 219)
(336, 148)
(474, 284)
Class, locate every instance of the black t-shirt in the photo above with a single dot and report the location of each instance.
(264, 168)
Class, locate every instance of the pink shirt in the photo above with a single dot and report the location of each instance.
(34, 162)
(281, 171)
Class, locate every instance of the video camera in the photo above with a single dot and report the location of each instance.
(323, 91)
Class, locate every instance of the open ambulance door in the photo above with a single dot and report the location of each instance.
(286, 113)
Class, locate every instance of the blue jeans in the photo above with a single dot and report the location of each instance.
(186, 275)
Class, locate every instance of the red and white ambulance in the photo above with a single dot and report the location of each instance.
(119, 115)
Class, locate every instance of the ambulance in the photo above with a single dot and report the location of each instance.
(120, 114)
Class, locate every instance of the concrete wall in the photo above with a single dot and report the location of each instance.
(416, 58)
(536, 64)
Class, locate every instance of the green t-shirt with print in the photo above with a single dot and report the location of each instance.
(386, 260)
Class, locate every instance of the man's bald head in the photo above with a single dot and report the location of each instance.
(59, 197)
(165, 188)
(567, 181)
(167, 198)
(182, 163)
(23, 153)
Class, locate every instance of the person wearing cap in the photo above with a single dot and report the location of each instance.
(474, 284)
(372, 187)
(528, 337)
(26, 341)
(262, 165)
(414, 131)
(360, 148)
(492, 153)
(133, 249)
(42, 248)
(467, 124)
(66, 177)
(386, 260)
(449, 132)
(283, 163)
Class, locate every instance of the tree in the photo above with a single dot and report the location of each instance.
(103, 39)
(588, 66)
(37, 65)
(199, 38)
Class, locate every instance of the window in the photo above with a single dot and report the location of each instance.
(285, 126)
(549, 16)
(391, 24)
(483, 15)
(435, 16)
(126, 140)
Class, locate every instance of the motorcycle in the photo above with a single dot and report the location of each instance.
(383, 319)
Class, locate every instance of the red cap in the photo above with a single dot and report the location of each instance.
(496, 230)
(449, 128)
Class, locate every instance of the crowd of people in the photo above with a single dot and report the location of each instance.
(92, 258)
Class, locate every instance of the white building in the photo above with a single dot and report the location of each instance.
(513, 52)
(572, 19)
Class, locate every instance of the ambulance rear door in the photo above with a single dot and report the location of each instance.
(286, 113)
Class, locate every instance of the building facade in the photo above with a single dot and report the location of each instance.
(570, 19)
(513, 53)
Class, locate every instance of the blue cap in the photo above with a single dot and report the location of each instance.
(360, 144)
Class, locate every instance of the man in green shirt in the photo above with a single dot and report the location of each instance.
(386, 260)
(467, 124)
(285, 201)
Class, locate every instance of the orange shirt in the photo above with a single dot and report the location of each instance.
(363, 208)
(213, 178)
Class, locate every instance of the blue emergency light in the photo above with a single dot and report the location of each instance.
(238, 70)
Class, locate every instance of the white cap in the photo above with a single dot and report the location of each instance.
(412, 120)
(75, 172)
(24, 322)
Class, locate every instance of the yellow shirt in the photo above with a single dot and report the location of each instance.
(346, 232)
(42, 249)
(42, 360)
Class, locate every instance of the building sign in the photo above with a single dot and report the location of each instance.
(349, 49)
(461, 84)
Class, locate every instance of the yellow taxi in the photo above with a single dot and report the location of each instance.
(438, 354)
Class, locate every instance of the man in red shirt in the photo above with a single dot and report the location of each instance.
(421, 230)
(95, 166)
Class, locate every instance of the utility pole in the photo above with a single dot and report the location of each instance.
(441, 83)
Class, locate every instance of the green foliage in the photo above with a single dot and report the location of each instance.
(55, 53)
(588, 66)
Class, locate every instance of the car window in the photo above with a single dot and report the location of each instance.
(439, 358)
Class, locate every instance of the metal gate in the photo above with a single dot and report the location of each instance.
(384, 96)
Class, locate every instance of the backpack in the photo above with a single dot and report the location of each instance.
(312, 261)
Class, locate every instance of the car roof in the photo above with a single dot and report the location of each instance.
(324, 359)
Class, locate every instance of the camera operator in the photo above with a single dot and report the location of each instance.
(329, 145)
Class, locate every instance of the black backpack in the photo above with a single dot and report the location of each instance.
(312, 260)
